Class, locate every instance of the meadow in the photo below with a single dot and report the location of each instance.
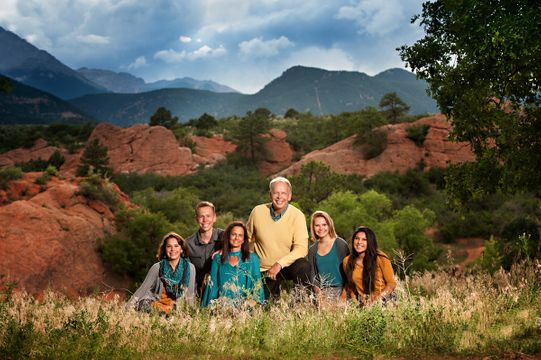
(448, 314)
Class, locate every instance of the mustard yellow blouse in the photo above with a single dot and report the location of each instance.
(384, 276)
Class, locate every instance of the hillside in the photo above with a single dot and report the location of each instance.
(25, 63)
(27, 105)
(302, 88)
(126, 83)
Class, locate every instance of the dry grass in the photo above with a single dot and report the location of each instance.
(436, 315)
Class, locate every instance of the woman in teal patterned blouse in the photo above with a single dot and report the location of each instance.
(235, 274)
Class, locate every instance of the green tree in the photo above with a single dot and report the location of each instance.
(291, 113)
(481, 61)
(393, 106)
(5, 85)
(248, 137)
(315, 183)
(95, 157)
(163, 117)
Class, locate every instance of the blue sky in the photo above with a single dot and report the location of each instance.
(242, 44)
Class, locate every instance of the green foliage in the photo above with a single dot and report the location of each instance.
(491, 260)
(5, 85)
(204, 124)
(520, 240)
(417, 134)
(8, 174)
(56, 160)
(401, 229)
(94, 187)
(394, 107)
(409, 227)
(94, 157)
(248, 137)
(409, 185)
(163, 117)
(133, 248)
(480, 60)
(316, 182)
(176, 205)
(291, 113)
(72, 137)
(374, 144)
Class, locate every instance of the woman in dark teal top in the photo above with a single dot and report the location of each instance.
(235, 274)
(326, 256)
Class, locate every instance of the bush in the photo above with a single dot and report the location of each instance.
(95, 188)
(418, 134)
(374, 144)
(132, 250)
(8, 174)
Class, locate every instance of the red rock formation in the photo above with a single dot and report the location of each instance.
(208, 151)
(400, 155)
(49, 240)
(144, 149)
(40, 150)
(279, 153)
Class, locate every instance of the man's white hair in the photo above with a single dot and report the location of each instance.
(282, 180)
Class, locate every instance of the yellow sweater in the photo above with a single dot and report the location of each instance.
(282, 241)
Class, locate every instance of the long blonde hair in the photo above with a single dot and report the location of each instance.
(328, 219)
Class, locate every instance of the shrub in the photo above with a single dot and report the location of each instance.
(95, 188)
(418, 134)
(8, 174)
(374, 144)
(133, 248)
(34, 165)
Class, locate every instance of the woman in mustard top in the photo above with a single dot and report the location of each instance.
(369, 274)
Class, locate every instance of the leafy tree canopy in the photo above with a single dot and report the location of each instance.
(94, 157)
(247, 135)
(163, 117)
(394, 106)
(481, 61)
(5, 85)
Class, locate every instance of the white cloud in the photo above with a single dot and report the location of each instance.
(172, 56)
(138, 63)
(258, 47)
(185, 39)
(374, 16)
(93, 39)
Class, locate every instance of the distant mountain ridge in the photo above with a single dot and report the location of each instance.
(126, 83)
(27, 105)
(25, 63)
(302, 88)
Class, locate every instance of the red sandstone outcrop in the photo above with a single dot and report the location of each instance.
(400, 155)
(143, 149)
(210, 150)
(279, 153)
(48, 240)
(40, 150)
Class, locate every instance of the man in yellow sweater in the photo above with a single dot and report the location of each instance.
(279, 237)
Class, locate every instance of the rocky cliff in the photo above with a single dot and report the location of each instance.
(400, 155)
(48, 238)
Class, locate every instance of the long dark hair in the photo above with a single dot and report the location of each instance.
(369, 261)
(245, 247)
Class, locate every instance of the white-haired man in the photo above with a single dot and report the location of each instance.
(278, 234)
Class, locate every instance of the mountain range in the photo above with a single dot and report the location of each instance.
(94, 91)
(123, 82)
(27, 105)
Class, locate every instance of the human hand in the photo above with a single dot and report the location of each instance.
(218, 252)
(274, 270)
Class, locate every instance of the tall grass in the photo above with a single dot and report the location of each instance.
(436, 315)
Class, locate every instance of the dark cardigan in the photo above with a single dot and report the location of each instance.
(342, 250)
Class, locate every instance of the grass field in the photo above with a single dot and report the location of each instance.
(437, 315)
